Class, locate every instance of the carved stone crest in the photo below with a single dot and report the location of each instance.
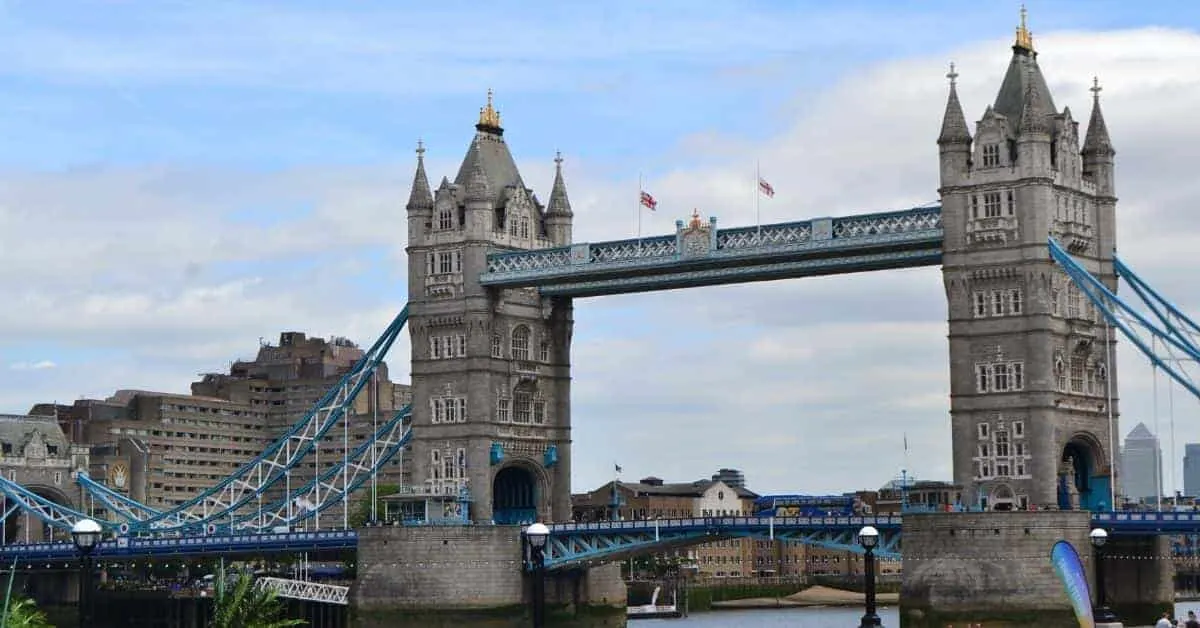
(696, 238)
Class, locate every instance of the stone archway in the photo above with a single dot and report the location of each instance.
(19, 526)
(1002, 498)
(514, 496)
(1079, 486)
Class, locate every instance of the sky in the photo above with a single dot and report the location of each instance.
(180, 179)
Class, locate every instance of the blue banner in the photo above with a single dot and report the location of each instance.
(1070, 570)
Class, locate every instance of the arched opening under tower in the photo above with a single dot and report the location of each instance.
(1002, 498)
(1079, 487)
(23, 527)
(514, 496)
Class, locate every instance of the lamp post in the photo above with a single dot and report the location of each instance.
(86, 535)
(536, 535)
(1103, 614)
(868, 537)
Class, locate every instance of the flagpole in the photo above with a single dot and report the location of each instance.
(757, 201)
(639, 211)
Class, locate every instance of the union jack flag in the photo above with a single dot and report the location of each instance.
(766, 188)
(648, 201)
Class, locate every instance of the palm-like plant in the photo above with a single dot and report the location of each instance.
(23, 613)
(243, 604)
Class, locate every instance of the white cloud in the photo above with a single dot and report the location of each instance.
(32, 366)
(806, 385)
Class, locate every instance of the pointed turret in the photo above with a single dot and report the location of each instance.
(954, 123)
(420, 200)
(478, 199)
(478, 188)
(954, 142)
(558, 211)
(420, 197)
(1097, 141)
(1098, 150)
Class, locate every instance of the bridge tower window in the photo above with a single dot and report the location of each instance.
(520, 343)
(497, 342)
(991, 155)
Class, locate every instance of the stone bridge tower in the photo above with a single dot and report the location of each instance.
(1033, 387)
(490, 368)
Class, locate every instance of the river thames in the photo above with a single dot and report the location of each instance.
(821, 618)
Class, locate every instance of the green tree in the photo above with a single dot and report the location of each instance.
(23, 613)
(362, 510)
(243, 604)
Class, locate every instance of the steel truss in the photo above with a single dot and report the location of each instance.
(329, 488)
(572, 544)
(1157, 328)
(308, 591)
(220, 502)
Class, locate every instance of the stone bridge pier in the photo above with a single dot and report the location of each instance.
(422, 575)
(996, 567)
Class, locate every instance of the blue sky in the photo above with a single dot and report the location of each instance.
(171, 171)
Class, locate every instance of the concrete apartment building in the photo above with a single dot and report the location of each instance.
(164, 448)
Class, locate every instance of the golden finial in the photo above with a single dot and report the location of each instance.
(697, 222)
(488, 116)
(1024, 37)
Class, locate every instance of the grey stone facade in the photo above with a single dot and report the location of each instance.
(35, 453)
(1033, 391)
(490, 368)
(457, 568)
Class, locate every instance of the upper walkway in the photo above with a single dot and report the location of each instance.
(700, 254)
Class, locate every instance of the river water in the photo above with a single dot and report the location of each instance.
(818, 618)
(771, 617)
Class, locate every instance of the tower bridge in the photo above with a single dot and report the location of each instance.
(1024, 232)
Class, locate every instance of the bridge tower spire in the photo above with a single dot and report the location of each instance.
(490, 367)
(1031, 363)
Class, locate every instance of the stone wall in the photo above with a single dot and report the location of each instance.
(987, 565)
(1139, 575)
(465, 568)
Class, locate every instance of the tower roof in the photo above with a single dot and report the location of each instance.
(559, 205)
(490, 153)
(954, 123)
(420, 196)
(1140, 432)
(1023, 73)
(1097, 141)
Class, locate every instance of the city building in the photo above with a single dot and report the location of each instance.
(164, 448)
(1191, 469)
(36, 454)
(652, 498)
(1141, 465)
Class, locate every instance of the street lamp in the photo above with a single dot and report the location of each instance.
(86, 535)
(1103, 614)
(536, 535)
(868, 537)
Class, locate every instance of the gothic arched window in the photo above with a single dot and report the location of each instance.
(1060, 373)
(524, 226)
(497, 341)
(445, 219)
(520, 343)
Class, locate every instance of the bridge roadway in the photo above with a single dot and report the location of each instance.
(574, 543)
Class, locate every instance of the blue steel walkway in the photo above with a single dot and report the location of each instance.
(699, 254)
